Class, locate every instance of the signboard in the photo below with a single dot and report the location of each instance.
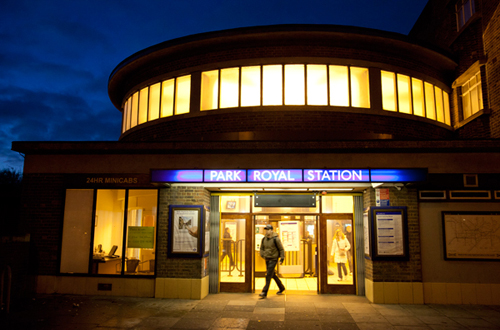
(141, 237)
(382, 197)
(388, 233)
(289, 232)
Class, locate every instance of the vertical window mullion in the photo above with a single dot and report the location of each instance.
(219, 94)
(283, 84)
(328, 85)
(174, 97)
(261, 85)
(305, 84)
(239, 86)
(349, 88)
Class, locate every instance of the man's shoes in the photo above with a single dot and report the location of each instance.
(280, 291)
(262, 296)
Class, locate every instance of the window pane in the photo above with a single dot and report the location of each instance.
(154, 101)
(75, 248)
(439, 104)
(317, 91)
(182, 94)
(446, 99)
(404, 94)
(337, 204)
(250, 86)
(295, 85)
(360, 89)
(135, 106)
(209, 90)
(229, 87)
(141, 232)
(417, 87)
(339, 86)
(143, 105)
(108, 232)
(129, 112)
(235, 204)
(466, 107)
(339, 238)
(232, 250)
(272, 85)
(429, 101)
(388, 90)
(474, 101)
(167, 98)
(124, 116)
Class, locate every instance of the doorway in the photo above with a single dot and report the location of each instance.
(298, 233)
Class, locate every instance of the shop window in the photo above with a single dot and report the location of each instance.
(337, 204)
(182, 94)
(294, 84)
(360, 90)
(167, 98)
(143, 105)
(209, 90)
(229, 87)
(465, 9)
(272, 81)
(317, 89)
(250, 86)
(339, 85)
(417, 88)
(472, 98)
(388, 90)
(135, 106)
(154, 101)
(95, 243)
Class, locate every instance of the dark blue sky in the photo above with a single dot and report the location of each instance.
(56, 56)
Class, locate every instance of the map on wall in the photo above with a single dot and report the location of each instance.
(471, 236)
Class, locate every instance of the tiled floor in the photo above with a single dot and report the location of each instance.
(242, 311)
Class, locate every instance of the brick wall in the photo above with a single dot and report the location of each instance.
(177, 267)
(399, 271)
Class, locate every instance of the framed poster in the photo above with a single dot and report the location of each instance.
(366, 234)
(471, 235)
(389, 233)
(186, 231)
(207, 231)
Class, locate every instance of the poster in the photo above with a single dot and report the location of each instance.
(289, 231)
(141, 237)
(390, 240)
(366, 229)
(382, 197)
(185, 230)
(207, 231)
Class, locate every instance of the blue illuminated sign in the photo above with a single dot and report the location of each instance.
(336, 176)
(177, 176)
(398, 175)
(274, 175)
(225, 176)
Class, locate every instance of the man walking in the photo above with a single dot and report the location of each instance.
(271, 250)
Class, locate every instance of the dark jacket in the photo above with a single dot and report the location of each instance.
(271, 250)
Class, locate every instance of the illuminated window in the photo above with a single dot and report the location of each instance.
(209, 90)
(417, 87)
(446, 99)
(229, 87)
(472, 98)
(360, 90)
(339, 85)
(317, 89)
(294, 84)
(272, 85)
(135, 105)
(125, 115)
(167, 98)
(430, 108)
(129, 112)
(182, 94)
(464, 11)
(154, 101)
(438, 92)
(404, 94)
(143, 105)
(250, 86)
(388, 90)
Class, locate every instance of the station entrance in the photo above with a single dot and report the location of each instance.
(319, 251)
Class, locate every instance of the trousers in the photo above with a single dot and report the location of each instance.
(271, 274)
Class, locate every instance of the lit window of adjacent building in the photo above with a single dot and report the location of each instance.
(472, 98)
(464, 11)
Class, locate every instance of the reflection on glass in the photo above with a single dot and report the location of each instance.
(167, 98)
(417, 87)
(439, 104)
(250, 86)
(340, 252)
(141, 224)
(182, 94)
(272, 85)
(294, 84)
(108, 232)
(360, 90)
(317, 91)
(135, 104)
(209, 90)
(404, 94)
(339, 85)
(154, 101)
(430, 109)
(229, 87)
(232, 250)
(143, 105)
(388, 91)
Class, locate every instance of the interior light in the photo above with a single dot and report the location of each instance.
(377, 184)
(240, 189)
(279, 189)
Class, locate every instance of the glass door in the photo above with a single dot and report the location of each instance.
(235, 253)
(337, 254)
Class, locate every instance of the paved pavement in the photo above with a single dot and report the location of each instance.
(241, 311)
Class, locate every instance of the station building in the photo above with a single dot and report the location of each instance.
(319, 130)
